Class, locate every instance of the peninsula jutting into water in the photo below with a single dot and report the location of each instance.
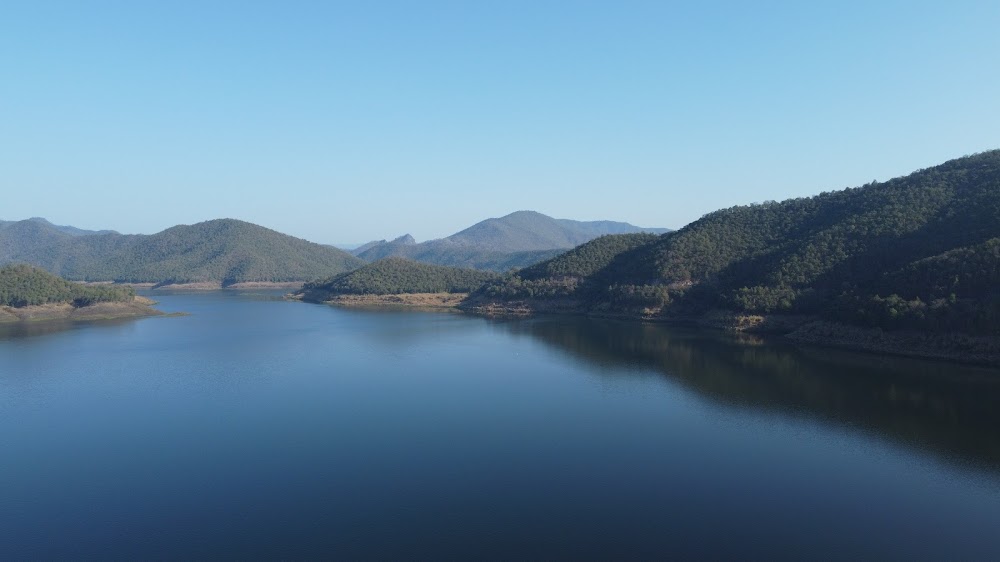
(908, 266)
(31, 294)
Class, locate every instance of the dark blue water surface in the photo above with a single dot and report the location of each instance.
(259, 428)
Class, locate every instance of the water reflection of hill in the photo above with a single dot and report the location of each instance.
(946, 409)
(15, 330)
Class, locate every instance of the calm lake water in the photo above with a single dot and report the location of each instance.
(258, 428)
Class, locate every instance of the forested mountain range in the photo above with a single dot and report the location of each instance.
(499, 244)
(226, 251)
(920, 251)
(397, 275)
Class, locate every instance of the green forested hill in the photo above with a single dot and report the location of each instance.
(31, 242)
(398, 275)
(23, 285)
(581, 272)
(225, 250)
(915, 251)
(590, 258)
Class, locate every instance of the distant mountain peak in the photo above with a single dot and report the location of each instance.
(41, 222)
(513, 240)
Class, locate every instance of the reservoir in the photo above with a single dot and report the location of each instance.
(256, 427)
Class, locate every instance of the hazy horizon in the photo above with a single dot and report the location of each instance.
(339, 244)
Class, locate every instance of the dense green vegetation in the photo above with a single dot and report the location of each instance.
(956, 290)
(919, 251)
(514, 241)
(395, 276)
(590, 258)
(580, 272)
(23, 285)
(226, 251)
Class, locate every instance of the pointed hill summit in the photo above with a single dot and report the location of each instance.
(499, 244)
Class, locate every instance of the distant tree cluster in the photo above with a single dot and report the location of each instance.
(398, 275)
(515, 288)
(631, 296)
(23, 285)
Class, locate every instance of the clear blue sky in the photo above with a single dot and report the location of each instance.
(343, 122)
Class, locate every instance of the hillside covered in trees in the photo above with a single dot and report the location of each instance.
(578, 274)
(516, 240)
(920, 251)
(223, 251)
(23, 285)
(397, 276)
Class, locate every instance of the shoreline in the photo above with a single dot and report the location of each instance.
(949, 346)
(796, 329)
(434, 301)
(205, 285)
(140, 307)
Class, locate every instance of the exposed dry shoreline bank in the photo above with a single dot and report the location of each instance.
(805, 330)
(138, 308)
(206, 285)
(409, 300)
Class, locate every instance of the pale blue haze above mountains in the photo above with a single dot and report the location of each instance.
(334, 122)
